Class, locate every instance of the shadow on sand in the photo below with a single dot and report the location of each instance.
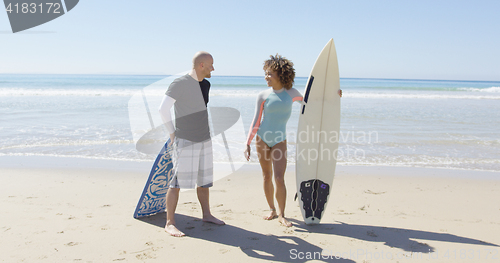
(256, 245)
(391, 237)
(287, 248)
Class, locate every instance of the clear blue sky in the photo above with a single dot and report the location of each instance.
(374, 39)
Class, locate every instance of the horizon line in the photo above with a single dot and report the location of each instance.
(166, 75)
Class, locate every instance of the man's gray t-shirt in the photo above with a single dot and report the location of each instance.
(191, 115)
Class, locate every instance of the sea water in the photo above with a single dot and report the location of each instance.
(414, 123)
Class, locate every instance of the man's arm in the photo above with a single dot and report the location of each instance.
(165, 106)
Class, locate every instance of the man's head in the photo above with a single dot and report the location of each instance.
(203, 64)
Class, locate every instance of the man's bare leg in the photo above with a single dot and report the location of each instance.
(203, 197)
(172, 199)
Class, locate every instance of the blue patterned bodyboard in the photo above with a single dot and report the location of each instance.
(153, 198)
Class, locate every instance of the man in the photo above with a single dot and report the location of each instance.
(192, 154)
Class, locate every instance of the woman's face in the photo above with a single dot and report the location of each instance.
(272, 79)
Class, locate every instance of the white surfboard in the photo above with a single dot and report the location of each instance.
(318, 136)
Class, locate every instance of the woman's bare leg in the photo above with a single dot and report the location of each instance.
(263, 152)
(278, 155)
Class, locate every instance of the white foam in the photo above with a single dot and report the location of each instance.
(416, 96)
(487, 90)
(69, 143)
(76, 156)
(16, 92)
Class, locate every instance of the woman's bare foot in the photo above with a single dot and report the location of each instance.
(173, 231)
(272, 215)
(284, 222)
(213, 220)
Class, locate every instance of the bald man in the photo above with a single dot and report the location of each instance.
(190, 138)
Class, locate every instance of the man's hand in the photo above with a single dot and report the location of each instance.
(172, 137)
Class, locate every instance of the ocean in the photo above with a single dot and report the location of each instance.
(385, 122)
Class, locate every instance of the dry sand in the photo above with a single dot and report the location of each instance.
(83, 213)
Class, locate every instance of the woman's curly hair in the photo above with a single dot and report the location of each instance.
(283, 67)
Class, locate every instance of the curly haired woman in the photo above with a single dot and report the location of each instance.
(274, 107)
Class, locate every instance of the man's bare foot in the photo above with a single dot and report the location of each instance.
(173, 231)
(272, 215)
(213, 220)
(284, 222)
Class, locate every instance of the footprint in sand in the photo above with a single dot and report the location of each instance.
(71, 244)
(145, 255)
(373, 193)
(364, 208)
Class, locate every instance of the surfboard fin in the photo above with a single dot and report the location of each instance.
(295, 198)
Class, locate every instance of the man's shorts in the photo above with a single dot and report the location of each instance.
(193, 164)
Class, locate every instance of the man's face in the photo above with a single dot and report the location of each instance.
(208, 67)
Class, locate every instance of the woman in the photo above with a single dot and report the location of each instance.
(274, 107)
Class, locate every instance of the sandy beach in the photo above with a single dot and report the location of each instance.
(80, 210)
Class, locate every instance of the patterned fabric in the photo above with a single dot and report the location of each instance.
(193, 164)
(153, 199)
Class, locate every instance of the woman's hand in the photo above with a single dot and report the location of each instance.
(247, 153)
(340, 93)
